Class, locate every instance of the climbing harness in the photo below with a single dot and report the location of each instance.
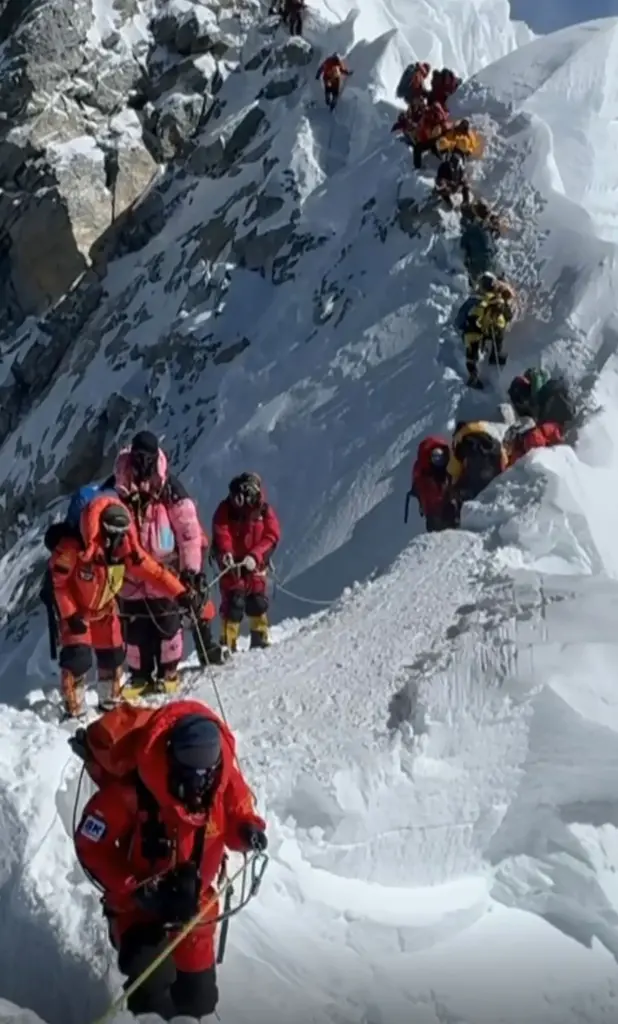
(257, 862)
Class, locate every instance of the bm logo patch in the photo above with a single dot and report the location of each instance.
(93, 828)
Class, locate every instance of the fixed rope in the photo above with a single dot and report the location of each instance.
(118, 1003)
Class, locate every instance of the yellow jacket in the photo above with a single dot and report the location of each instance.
(484, 319)
(455, 466)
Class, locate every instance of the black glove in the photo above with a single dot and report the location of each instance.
(77, 625)
(254, 837)
(190, 602)
(193, 581)
(174, 898)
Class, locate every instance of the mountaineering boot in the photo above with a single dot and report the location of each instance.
(109, 688)
(208, 651)
(217, 655)
(169, 682)
(474, 381)
(72, 688)
(258, 625)
(137, 685)
(230, 631)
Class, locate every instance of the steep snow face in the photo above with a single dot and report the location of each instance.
(569, 83)
(437, 753)
(467, 36)
(316, 233)
(282, 230)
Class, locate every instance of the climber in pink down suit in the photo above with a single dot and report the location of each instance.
(170, 530)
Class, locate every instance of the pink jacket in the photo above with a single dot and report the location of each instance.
(170, 529)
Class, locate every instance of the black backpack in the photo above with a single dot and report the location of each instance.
(555, 404)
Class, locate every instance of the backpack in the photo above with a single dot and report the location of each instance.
(78, 502)
(463, 313)
(538, 379)
(109, 749)
(109, 746)
(555, 404)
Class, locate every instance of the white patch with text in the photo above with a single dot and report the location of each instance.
(93, 828)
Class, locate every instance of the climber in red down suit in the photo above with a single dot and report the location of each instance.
(431, 485)
(245, 532)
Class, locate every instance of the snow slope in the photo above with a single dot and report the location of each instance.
(436, 753)
(360, 321)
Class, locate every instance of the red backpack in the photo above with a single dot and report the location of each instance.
(110, 745)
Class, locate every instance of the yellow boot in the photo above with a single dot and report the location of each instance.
(170, 683)
(137, 686)
(230, 631)
(258, 624)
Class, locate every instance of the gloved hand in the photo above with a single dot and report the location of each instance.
(227, 561)
(195, 582)
(249, 563)
(190, 602)
(174, 898)
(254, 837)
(77, 625)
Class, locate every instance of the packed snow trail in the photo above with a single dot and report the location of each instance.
(392, 836)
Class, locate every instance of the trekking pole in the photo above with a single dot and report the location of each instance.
(409, 495)
(117, 1005)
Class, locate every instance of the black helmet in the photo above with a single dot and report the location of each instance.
(144, 455)
(115, 521)
(194, 750)
(246, 489)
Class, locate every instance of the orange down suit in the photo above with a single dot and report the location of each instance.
(85, 585)
(115, 860)
(332, 71)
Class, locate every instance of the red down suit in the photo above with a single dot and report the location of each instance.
(537, 435)
(431, 482)
(250, 530)
(113, 852)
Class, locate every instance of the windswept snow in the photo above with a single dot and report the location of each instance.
(437, 752)
(568, 81)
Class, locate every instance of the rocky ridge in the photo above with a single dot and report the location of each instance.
(94, 99)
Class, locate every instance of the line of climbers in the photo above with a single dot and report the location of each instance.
(426, 126)
(128, 571)
(447, 474)
(128, 562)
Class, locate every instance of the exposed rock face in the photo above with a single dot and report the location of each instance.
(89, 108)
(82, 186)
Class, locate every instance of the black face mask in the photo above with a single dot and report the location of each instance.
(112, 542)
(193, 787)
(144, 465)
